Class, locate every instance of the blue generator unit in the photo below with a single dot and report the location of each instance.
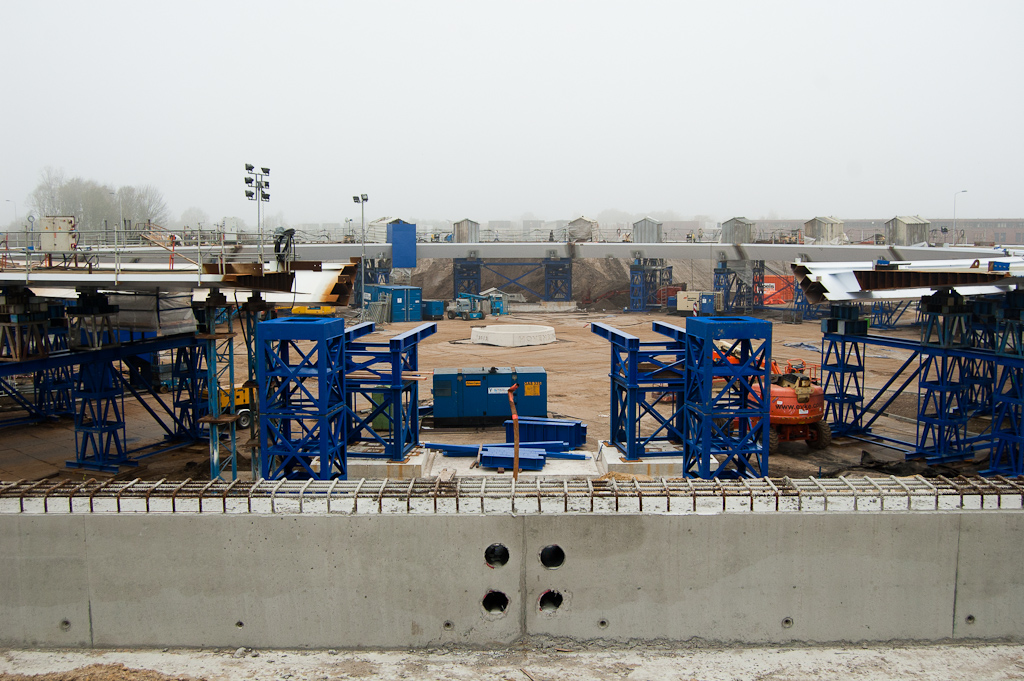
(433, 310)
(470, 397)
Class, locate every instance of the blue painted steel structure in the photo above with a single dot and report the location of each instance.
(1007, 454)
(646, 277)
(647, 380)
(376, 373)
(886, 314)
(738, 295)
(804, 306)
(727, 397)
(302, 398)
(220, 415)
(467, 276)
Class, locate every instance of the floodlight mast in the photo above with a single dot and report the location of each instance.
(255, 180)
(361, 199)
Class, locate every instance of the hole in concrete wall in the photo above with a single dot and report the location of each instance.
(448, 625)
(602, 623)
(65, 625)
(550, 601)
(552, 556)
(239, 624)
(787, 622)
(969, 619)
(496, 555)
(495, 602)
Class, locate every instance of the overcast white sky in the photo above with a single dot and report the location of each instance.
(491, 110)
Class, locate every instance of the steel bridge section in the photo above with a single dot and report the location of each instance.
(302, 398)
(727, 397)
(647, 382)
(376, 371)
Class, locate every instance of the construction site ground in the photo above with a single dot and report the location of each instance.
(527, 662)
(577, 367)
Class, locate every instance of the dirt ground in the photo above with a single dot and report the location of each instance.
(577, 366)
(528, 663)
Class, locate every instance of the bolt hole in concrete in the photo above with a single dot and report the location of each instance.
(496, 555)
(448, 625)
(787, 622)
(495, 602)
(603, 624)
(65, 625)
(550, 601)
(239, 624)
(552, 556)
(969, 619)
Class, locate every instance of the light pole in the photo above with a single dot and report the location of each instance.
(120, 212)
(255, 186)
(962, 191)
(361, 200)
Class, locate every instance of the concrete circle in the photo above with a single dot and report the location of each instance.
(513, 335)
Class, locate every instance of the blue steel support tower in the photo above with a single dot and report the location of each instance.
(728, 365)
(302, 398)
(647, 382)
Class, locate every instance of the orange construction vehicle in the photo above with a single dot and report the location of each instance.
(797, 407)
(797, 410)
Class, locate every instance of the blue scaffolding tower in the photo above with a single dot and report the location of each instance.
(647, 382)
(741, 283)
(727, 397)
(302, 398)
(646, 277)
(377, 371)
(1007, 454)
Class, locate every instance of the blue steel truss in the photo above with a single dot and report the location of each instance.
(646, 277)
(376, 372)
(804, 306)
(99, 419)
(467, 276)
(886, 314)
(302, 398)
(220, 414)
(727, 397)
(647, 383)
(1007, 454)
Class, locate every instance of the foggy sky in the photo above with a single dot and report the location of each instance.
(494, 110)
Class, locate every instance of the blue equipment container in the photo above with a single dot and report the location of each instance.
(406, 301)
(432, 310)
(707, 303)
(464, 397)
(543, 429)
(402, 237)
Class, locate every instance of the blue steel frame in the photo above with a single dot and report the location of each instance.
(886, 314)
(1007, 455)
(302, 398)
(644, 377)
(736, 294)
(220, 380)
(727, 397)
(375, 372)
(467, 276)
(804, 306)
(646, 276)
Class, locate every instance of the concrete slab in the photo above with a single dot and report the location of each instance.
(656, 466)
(513, 335)
(416, 465)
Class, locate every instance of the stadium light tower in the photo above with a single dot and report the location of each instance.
(256, 185)
(361, 200)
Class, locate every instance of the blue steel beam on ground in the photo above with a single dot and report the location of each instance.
(647, 380)
(375, 371)
(727, 397)
(303, 417)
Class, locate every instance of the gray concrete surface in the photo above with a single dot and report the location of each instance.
(317, 581)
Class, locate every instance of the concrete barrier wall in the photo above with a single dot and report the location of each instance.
(383, 581)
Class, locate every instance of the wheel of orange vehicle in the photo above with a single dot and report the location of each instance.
(824, 438)
(773, 440)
